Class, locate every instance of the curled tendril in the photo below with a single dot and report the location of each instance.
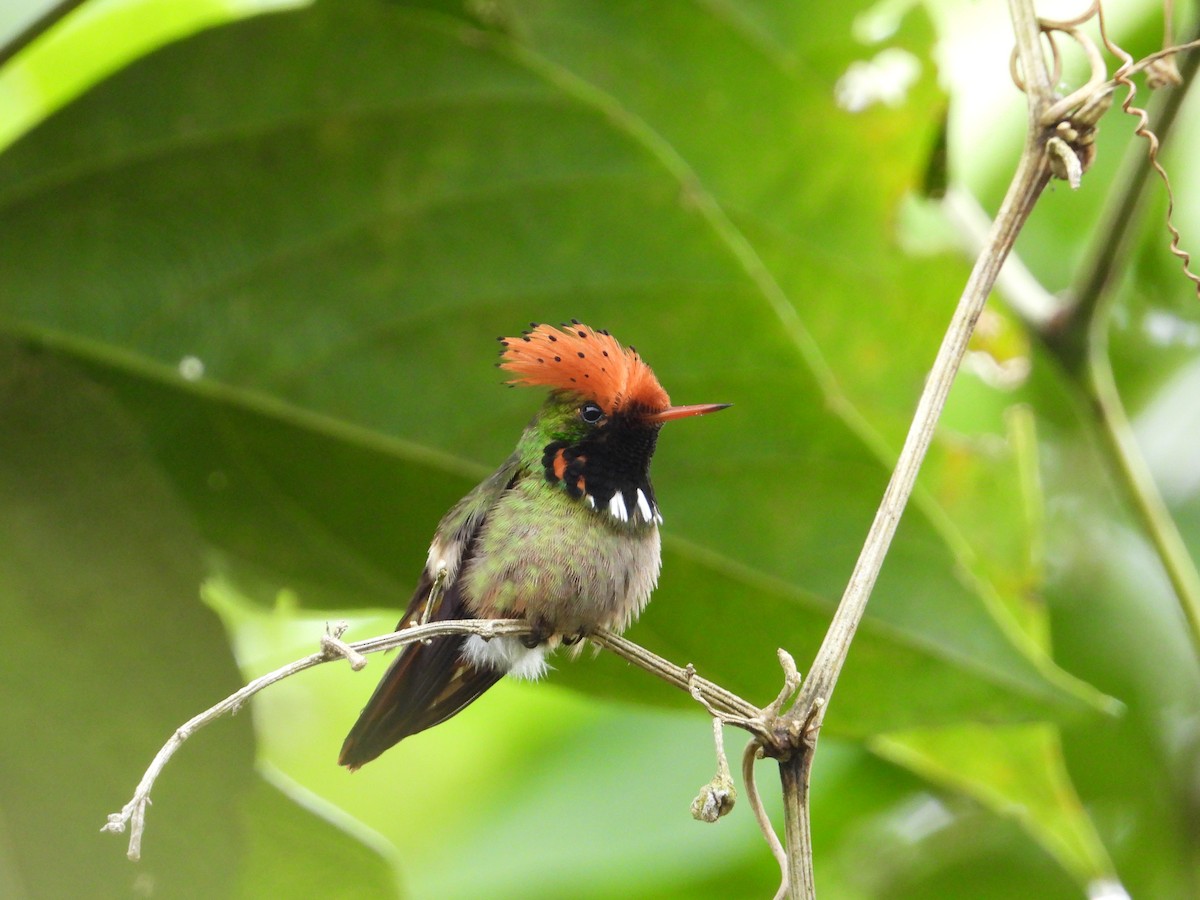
(1078, 113)
(1143, 130)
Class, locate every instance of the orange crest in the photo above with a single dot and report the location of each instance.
(579, 358)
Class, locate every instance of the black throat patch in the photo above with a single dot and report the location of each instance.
(609, 470)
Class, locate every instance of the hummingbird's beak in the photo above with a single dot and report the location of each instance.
(681, 412)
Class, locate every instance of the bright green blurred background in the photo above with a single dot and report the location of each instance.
(253, 259)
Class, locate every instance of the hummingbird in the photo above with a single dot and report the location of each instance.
(564, 534)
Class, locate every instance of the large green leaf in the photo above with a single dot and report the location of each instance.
(336, 248)
(1018, 771)
(107, 652)
(1115, 617)
(286, 245)
(90, 41)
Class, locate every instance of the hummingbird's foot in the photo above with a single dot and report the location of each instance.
(539, 635)
(570, 640)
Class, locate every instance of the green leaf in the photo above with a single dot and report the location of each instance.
(97, 568)
(1015, 771)
(107, 650)
(1115, 617)
(284, 246)
(361, 238)
(291, 847)
(90, 43)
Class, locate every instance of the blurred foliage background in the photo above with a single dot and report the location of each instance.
(253, 259)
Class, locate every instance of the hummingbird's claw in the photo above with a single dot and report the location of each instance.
(570, 640)
(536, 637)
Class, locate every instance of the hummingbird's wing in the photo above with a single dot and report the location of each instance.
(427, 684)
(430, 681)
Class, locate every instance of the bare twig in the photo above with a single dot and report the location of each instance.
(1027, 297)
(791, 684)
(1034, 78)
(718, 701)
(333, 645)
(723, 705)
(133, 814)
(793, 777)
(1027, 185)
(804, 719)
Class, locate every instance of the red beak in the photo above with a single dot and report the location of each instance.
(681, 412)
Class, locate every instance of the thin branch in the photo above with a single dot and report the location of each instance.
(1027, 185)
(804, 719)
(1034, 78)
(333, 645)
(1134, 474)
(793, 777)
(133, 814)
(1020, 289)
(722, 704)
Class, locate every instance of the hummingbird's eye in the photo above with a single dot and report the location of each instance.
(591, 413)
